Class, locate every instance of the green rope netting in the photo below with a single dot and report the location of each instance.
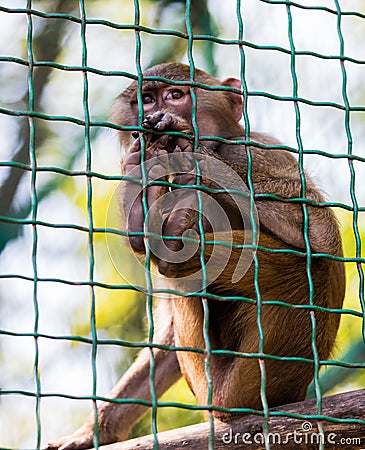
(33, 114)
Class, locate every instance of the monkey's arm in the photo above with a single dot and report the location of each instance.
(275, 172)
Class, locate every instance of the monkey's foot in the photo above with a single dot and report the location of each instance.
(72, 443)
(83, 439)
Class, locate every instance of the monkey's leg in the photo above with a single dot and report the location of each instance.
(234, 326)
(116, 419)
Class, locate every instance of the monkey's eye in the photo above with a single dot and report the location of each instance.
(175, 94)
(147, 98)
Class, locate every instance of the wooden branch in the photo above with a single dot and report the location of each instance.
(247, 432)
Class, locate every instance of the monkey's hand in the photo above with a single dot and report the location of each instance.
(165, 121)
(137, 199)
(169, 216)
(144, 190)
(189, 210)
(179, 220)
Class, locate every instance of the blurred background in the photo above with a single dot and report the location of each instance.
(56, 252)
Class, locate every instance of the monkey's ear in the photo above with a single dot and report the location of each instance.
(236, 99)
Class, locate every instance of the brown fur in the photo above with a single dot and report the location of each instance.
(282, 276)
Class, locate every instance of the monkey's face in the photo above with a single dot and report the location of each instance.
(217, 112)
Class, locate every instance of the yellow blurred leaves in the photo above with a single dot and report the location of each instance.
(350, 326)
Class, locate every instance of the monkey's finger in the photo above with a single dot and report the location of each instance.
(137, 144)
(154, 192)
(71, 443)
(135, 220)
(178, 225)
(133, 160)
(151, 119)
(159, 145)
(165, 121)
(204, 170)
(135, 147)
(185, 179)
(183, 162)
(174, 225)
(163, 140)
(184, 144)
(157, 172)
(77, 444)
(182, 215)
(131, 163)
(52, 446)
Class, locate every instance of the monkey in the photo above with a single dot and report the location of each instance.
(297, 232)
